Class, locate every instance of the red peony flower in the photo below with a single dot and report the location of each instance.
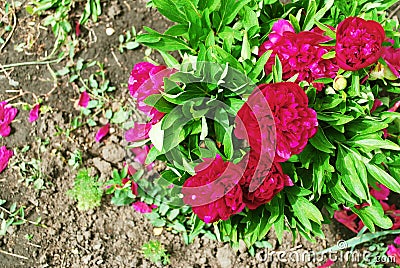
(213, 192)
(7, 115)
(358, 43)
(268, 181)
(295, 122)
(147, 79)
(5, 156)
(299, 53)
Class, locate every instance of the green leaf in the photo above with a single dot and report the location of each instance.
(303, 207)
(373, 214)
(321, 142)
(277, 70)
(156, 135)
(177, 30)
(120, 116)
(259, 66)
(310, 14)
(353, 173)
(375, 144)
(383, 177)
(172, 10)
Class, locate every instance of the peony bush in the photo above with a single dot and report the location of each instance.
(270, 115)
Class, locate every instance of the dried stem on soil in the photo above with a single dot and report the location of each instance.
(14, 255)
(12, 30)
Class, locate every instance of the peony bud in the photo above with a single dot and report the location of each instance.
(340, 82)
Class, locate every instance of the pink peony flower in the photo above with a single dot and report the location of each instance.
(142, 207)
(102, 132)
(7, 115)
(141, 155)
(393, 251)
(397, 240)
(349, 219)
(5, 156)
(381, 193)
(358, 43)
(84, 99)
(213, 192)
(392, 58)
(34, 113)
(138, 132)
(295, 122)
(269, 181)
(147, 79)
(299, 53)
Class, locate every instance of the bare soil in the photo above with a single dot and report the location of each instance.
(108, 236)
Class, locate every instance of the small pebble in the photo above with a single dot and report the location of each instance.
(110, 31)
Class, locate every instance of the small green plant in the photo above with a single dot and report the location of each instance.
(155, 252)
(87, 190)
(58, 12)
(75, 160)
(30, 169)
(13, 216)
(127, 41)
(376, 257)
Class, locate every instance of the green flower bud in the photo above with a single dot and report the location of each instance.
(339, 83)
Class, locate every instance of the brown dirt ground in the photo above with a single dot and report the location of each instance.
(108, 236)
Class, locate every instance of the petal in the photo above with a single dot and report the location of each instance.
(34, 113)
(84, 99)
(102, 132)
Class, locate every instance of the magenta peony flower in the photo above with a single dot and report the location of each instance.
(102, 132)
(142, 207)
(393, 251)
(214, 192)
(358, 43)
(147, 79)
(392, 58)
(138, 132)
(299, 53)
(295, 122)
(34, 113)
(141, 155)
(84, 99)
(269, 180)
(381, 193)
(349, 219)
(7, 115)
(5, 156)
